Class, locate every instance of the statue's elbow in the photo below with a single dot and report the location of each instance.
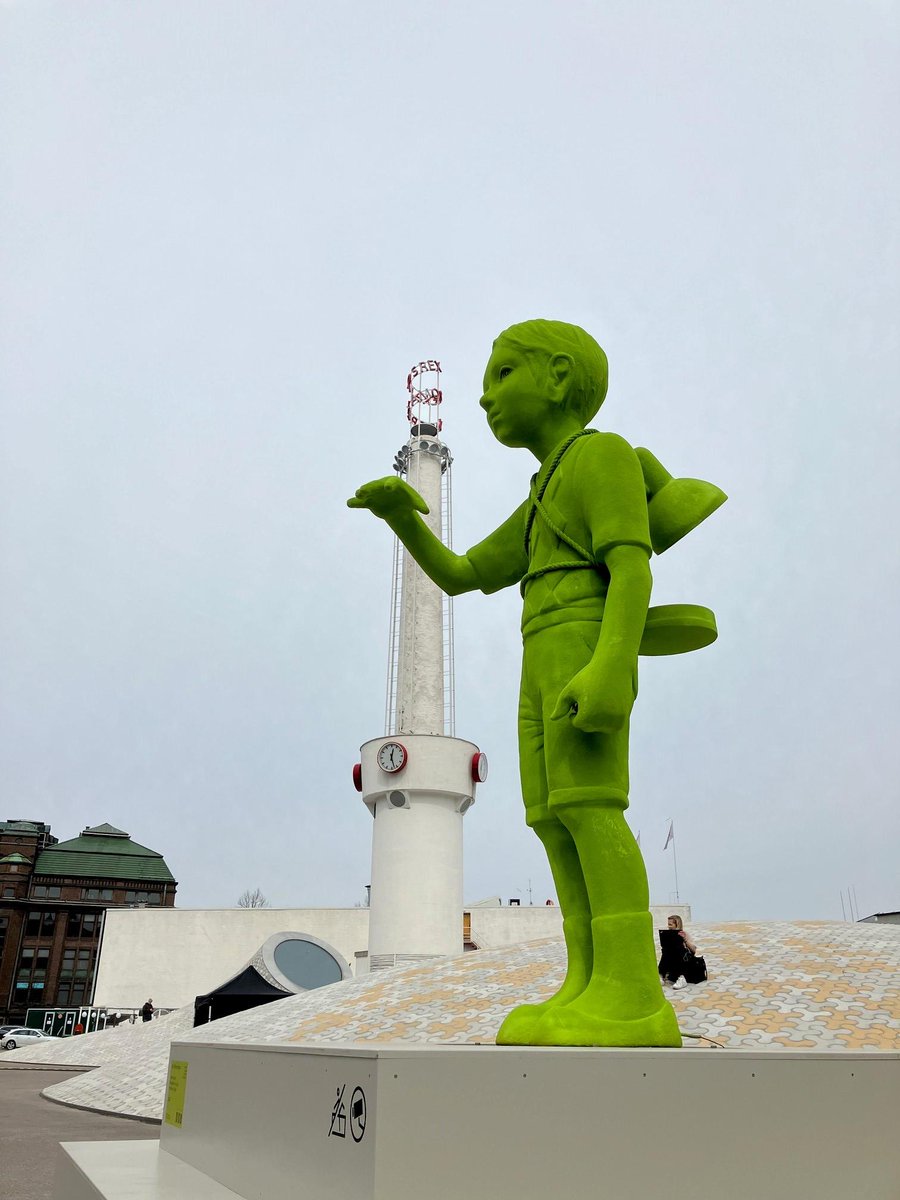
(631, 574)
(462, 578)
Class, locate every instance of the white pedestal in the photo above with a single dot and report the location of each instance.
(130, 1171)
(285, 1122)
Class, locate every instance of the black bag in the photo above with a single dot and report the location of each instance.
(694, 968)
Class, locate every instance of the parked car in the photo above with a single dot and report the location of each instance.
(20, 1036)
(5, 1029)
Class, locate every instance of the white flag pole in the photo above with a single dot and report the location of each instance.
(675, 861)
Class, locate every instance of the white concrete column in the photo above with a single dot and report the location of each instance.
(420, 669)
(417, 843)
(417, 893)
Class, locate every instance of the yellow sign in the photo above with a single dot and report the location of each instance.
(175, 1094)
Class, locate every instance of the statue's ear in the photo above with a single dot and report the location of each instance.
(560, 370)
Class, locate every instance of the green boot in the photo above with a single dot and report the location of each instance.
(623, 1005)
(520, 1026)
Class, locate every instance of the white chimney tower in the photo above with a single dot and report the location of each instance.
(418, 780)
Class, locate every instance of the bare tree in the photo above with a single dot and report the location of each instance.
(254, 899)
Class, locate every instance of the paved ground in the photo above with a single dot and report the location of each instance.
(773, 985)
(31, 1127)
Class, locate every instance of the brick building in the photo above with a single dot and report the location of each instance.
(53, 897)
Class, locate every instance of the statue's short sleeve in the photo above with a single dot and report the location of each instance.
(613, 493)
(500, 560)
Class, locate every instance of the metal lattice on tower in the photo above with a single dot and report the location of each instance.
(420, 695)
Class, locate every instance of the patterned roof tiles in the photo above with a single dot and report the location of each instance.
(775, 985)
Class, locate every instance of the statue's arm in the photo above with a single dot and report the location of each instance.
(600, 697)
(497, 562)
(400, 506)
(453, 573)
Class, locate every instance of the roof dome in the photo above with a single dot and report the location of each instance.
(778, 985)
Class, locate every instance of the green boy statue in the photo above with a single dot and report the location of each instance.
(580, 548)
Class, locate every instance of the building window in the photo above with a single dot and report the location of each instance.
(31, 976)
(8, 893)
(96, 893)
(69, 996)
(76, 964)
(41, 890)
(303, 962)
(40, 924)
(22, 993)
(132, 897)
(82, 925)
(34, 958)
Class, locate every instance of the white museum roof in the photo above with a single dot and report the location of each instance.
(779, 985)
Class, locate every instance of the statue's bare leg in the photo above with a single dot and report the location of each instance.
(623, 1005)
(599, 874)
(520, 1025)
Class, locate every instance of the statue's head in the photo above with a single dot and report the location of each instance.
(543, 341)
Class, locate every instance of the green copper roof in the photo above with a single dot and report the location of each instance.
(15, 858)
(18, 826)
(104, 852)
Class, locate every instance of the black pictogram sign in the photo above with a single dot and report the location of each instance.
(338, 1127)
(358, 1114)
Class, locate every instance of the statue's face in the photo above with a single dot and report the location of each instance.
(515, 402)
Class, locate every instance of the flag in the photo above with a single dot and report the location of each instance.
(670, 836)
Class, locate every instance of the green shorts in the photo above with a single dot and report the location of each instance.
(559, 765)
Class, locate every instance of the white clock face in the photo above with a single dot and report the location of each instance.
(479, 768)
(392, 757)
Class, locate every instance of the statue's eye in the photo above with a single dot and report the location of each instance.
(504, 371)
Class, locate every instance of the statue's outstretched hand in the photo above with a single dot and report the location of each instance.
(389, 498)
(596, 700)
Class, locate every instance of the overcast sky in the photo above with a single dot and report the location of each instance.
(228, 229)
